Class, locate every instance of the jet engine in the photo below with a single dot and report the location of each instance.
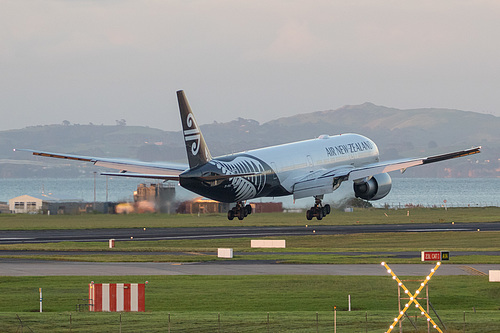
(374, 188)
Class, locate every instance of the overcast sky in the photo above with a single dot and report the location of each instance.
(103, 60)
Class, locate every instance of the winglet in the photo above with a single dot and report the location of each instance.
(196, 148)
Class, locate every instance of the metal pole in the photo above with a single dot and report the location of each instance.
(95, 173)
(334, 319)
(106, 188)
(40, 289)
(349, 298)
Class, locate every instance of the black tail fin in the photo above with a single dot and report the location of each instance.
(196, 148)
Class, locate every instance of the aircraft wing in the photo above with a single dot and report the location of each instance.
(128, 168)
(325, 181)
(403, 164)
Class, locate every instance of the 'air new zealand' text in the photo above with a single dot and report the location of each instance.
(348, 148)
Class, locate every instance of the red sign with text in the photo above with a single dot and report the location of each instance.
(435, 255)
(431, 256)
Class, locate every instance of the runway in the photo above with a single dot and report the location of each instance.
(58, 268)
(139, 234)
(23, 267)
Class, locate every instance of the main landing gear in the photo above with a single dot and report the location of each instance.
(319, 211)
(240, 211)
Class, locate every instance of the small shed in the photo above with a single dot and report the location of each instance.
(26, 204)
(202, 205)
(4, 208)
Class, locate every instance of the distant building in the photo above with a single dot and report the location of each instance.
(202, 205)
(4, 208)
(266, 207)
(27, 204)
(161, 195)
(30, 204)
(73, 207)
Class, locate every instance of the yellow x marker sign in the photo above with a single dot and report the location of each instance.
(413, 297)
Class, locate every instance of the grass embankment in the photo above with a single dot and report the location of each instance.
(358, 217)
(194, 303)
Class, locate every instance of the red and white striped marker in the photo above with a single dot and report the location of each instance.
(115, 297)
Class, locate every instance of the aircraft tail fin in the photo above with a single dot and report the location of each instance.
(196, 148)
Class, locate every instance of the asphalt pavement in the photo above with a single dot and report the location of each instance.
(61, 268)
(23, 267)
(139, 234)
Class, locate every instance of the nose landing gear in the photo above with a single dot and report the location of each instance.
(318, 211)
(240, 211)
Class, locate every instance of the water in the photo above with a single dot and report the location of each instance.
(428, 192)
(119, 189)
(458, 192)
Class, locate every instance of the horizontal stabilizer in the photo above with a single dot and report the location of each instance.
(223, 177)
(140, 175)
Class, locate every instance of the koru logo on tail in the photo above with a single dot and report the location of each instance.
(192, 134)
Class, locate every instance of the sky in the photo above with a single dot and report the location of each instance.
(99, 61)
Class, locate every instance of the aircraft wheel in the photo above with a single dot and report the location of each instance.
(320, 214)
(327, 209)
(241, 214)
(248, 209)
(230, 215)
(309, 214)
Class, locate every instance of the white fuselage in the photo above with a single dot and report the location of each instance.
(297, 159)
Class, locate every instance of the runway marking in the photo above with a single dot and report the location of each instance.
(14, 238)
(427, 230)
(213, 236)
(196, 253)
(473, 271)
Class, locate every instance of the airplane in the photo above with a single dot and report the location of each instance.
(309, 168)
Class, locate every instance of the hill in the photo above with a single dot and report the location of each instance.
(398, 133)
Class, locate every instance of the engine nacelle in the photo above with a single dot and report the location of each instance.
(375, 188)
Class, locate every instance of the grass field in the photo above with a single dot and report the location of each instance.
(358, 217)
(195, 303)
(256, 303)
(234, 321)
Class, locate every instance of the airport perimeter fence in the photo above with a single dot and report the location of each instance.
(401, 205)
(355, 321)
